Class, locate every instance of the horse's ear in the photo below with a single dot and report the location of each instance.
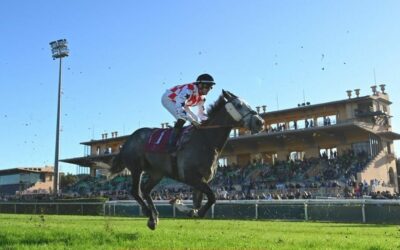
(227, 95)
(232, 95)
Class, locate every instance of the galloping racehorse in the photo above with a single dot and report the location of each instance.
(195, 163)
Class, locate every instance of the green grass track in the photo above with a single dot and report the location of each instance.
(91, 232)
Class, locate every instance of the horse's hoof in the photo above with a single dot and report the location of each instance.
(151, 224)
(193, 213)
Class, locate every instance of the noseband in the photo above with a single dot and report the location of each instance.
(238, 117)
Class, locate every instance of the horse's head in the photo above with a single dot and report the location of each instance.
(242, 113)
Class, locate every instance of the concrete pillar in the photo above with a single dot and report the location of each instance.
(93, 172)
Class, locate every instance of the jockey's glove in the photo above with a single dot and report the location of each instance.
(202, 117)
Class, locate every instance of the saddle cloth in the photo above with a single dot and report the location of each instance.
(158, 140)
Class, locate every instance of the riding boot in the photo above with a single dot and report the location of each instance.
(175, 135)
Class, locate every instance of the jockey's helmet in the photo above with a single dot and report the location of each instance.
(205, 79)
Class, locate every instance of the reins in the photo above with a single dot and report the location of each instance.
(213, 126)
(225, 126)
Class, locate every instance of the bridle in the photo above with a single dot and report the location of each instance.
(232, 111)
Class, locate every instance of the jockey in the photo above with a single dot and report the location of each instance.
(180, 98)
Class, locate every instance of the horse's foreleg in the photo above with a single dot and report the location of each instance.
(205, 189)
(197, 199)
(146, 190)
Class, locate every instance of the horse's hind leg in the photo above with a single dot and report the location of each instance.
(136, 177)
(146, 190)
(204, 188)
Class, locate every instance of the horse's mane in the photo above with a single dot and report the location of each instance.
(213, 109)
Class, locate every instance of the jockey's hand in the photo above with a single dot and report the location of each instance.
(195, 123)
(203, 118)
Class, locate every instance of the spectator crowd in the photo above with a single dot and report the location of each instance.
(292, 179)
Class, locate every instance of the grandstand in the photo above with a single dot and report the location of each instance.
(33, 180)
(344, 147)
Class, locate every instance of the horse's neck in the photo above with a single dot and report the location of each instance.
(222, 118)
(219, 135)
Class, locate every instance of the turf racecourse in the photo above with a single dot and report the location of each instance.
(90, 232)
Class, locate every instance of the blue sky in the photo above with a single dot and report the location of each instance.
(124, 54)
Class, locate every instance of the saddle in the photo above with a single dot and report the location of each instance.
(159, 139)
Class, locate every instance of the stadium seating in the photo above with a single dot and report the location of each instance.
(285, 180)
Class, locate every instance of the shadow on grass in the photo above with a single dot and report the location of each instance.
(4, 241)
(127, 236)
(7, 241)
(361, 225)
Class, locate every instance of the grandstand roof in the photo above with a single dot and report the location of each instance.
(344, 101)
(96, 161)
(389, 135)
(119, 138)
(26, 170)
(303, 135)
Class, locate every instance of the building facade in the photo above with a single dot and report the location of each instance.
(357, 124)
(26, 180)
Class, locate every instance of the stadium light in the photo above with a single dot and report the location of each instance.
(264, 108)
(357, 91)
(59, 50)
(374, 90)
(382, 88)
(349, 93)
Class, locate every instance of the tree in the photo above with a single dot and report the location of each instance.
(68, 180)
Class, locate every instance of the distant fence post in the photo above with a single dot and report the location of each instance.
(109, 209)
(363, 211)
(256, 212)
(306, 210)
(212, 211)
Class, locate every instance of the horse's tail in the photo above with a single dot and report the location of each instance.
(117, 164)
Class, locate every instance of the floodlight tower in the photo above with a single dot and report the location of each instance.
(59, 50)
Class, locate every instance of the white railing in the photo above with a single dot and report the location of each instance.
(111, 205)
(307, 209)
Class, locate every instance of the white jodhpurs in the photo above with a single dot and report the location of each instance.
(171, 107)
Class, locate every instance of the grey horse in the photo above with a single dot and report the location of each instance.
(195, 163)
